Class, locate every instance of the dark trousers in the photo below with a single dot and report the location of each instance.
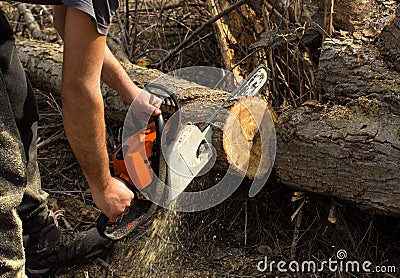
(23, 205)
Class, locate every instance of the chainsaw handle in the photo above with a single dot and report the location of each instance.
(127, 224)
(159, 120)
(168, 95)
(131, 218)
(101, 224)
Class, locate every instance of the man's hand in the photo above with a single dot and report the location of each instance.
(145, 105)
(113, 198)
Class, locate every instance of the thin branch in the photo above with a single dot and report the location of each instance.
(198, 31)
(278, 14)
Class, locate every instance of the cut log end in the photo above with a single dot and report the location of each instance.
(249, 137)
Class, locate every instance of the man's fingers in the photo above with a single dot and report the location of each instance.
(146, 116)
(156, 112)
(113, 219)
(155, 101)
(115, 215)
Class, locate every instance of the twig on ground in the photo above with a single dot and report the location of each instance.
(81, 192)
(245, 224)
(332, 217)
(104, 272)
(52, 139)
(298, 214)
(348, 231)
(275, 12)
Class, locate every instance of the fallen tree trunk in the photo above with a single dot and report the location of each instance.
(43, 63)
(350, 147)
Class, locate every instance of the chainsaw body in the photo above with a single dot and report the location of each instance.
(136, 154)
(188, 149)
(137, 163)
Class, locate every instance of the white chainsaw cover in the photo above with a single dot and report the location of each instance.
(186, 156)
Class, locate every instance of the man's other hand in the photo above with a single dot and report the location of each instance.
(113, 199)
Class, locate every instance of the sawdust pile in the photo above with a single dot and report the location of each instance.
(152, 249)
(161, 244)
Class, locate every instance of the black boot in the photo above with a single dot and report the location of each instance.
(58, 245)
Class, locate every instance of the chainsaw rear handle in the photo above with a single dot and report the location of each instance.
(124, 227)
(131, 219)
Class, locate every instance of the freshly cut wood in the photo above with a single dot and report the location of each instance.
(249, 137)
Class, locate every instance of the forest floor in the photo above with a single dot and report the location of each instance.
(229, 240)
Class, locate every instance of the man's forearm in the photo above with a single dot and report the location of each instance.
(114, 75)
(83, 117)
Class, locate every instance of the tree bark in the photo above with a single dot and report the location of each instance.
(234, 34)
(224, 36)
(348, 148)
(389, 41)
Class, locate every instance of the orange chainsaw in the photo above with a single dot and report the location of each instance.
(138, 162)
(159, 180)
